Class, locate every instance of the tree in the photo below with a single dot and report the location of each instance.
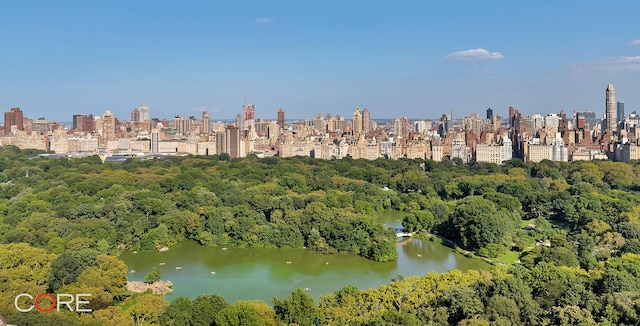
(153, 276)
(179, 312)
(205, 308)
(23, 269)
(66, 268)
(147, 309)
(298, 308)
(478, 223)
(246, 313)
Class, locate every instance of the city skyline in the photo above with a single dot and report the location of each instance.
(410, 59)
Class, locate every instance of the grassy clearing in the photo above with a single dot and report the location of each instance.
(509, 257)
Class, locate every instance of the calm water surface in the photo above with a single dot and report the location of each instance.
(263, 273)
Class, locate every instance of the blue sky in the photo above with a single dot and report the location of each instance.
(398, 58)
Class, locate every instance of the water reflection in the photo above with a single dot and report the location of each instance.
(264, 273)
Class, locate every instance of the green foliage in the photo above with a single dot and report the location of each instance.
(246, 313)
(153, 276)
(298, 308)
(478, 223)
(579, 260)
(66, 268)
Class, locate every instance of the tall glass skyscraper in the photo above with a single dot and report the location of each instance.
(620, 111)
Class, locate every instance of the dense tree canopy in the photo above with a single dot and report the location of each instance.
(571, 230)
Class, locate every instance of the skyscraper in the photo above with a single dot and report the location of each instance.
(239, 121)
(366, 120)
(206, 123)
(233, 141)
(357, 121)
(405, 129)
(489, 114)
(155, 140)
(249, 117)
(281, 118)
(610, 112)
(135, 115)
(144, 112)
(13, 118)
(318, 123)
(108, 126)
(620, 112)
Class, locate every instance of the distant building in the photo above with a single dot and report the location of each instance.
(281, 118)
(144, 112)
(318, 123)
(155, 141)
(495, 153)
(234, 143)
(181, 125)
(357, 121)
(620, 115)
(249, 117)
(83, 122)
(206, 123)
(589, 118)
(459, 149)
(13, 117)
(135, 115)
(366, 120)
(610, 111)
(108, 123)
(620, 111)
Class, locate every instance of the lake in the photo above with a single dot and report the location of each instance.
(265, 273)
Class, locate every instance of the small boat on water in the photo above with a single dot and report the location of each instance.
(178, 267)
(161, 264)
(306, 289)
(419, 255)
(289, 262)
(132, 271)
(213, 273)
(225, 248)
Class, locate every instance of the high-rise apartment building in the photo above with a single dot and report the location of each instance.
(233, 142)
(318, 123)
(249, 117)
(135, 115)
(589, 118)
(281, 118)
(610, 111)
(206, 123)
(83, 122)
(108, 123)
(445, 124)
(13, 117)
(155, 140)
(366, 120)
(357, 121)
(620, 114)
(239, 121)
(404, 125)
(490, 114)
(144, 112)
(181, 125)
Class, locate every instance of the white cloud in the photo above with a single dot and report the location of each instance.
(635, 42)
(264, 20)
(474, 54)
(612, 65)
